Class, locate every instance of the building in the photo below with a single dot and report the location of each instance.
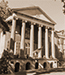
(61, 43)
(3, 28)
(31, 29)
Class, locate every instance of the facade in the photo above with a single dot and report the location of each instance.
(57, 46)
(3, 28)
(31, 35)
(61, 43)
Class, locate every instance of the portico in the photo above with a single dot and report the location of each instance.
(48, 24)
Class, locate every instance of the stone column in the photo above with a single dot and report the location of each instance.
(46, 43)
(40, 40)
(13, 33)
(52, 43)
(22, 44)
(31, 40)
(4, 36)
(1, 42)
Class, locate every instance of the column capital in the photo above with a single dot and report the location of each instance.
(40, 25)
(52, 29)
(24, 21)
(15, 16)
(46, 27)
(32, 23)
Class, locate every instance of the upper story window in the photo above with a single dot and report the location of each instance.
(17, 47)
(8, 44)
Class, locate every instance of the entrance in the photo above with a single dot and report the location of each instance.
(51, 65)
(36, 65)
(44, 65)
(17, 67)
(28, 66)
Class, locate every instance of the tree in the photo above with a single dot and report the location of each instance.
(5, 11)
(4, 63)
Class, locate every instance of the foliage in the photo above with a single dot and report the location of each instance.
(5, 11)
(4, 62)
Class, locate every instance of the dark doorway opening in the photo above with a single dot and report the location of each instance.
(36, 65)
(17, 67)
(28, 66)
(44, 65)
(51, 65)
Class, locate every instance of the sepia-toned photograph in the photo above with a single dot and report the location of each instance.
(32, 37)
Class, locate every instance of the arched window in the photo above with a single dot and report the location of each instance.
(17, 67)
(28, 66)
(36, 65)
(44, 65)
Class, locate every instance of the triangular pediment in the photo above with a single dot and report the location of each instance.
(35, 12)
(42, 17)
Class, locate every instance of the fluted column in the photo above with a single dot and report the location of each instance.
(52, 43)
(1, 42)
(31, 40)
(46, 43)
(22, 44)
(13, 33)
(40, 40)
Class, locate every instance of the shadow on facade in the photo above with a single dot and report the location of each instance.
(36, 65)
(28, 66)
(56, 52)
(51, 65)
(44, 65)
(17, 67)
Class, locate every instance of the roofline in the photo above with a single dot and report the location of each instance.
(30, 18)
(33, 17)
(46, 15)
(34, 7)
(24, 8)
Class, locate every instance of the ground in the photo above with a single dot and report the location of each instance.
(52, 73)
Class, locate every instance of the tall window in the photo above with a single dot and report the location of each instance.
(8, 44)
(18, 47)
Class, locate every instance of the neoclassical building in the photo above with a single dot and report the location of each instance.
(32, 25)
(31, 33)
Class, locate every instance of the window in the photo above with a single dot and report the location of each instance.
(12, 62)
(17, 47)
(8, 44)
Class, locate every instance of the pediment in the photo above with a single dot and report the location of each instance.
(34, 12)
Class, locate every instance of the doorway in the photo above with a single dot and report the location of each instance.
(36, 65)
(44, 65)
(51, 65)
(17, 67)
(28, 66)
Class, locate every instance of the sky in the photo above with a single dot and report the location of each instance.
(53, 8)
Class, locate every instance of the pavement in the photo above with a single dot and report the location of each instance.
(52, 73)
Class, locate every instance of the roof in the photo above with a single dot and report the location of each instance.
(3, 24)
(60, 34)
(34, 11)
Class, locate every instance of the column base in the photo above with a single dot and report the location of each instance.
(31, 56)
(22, 53)
(51, 57)
(44, 57)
